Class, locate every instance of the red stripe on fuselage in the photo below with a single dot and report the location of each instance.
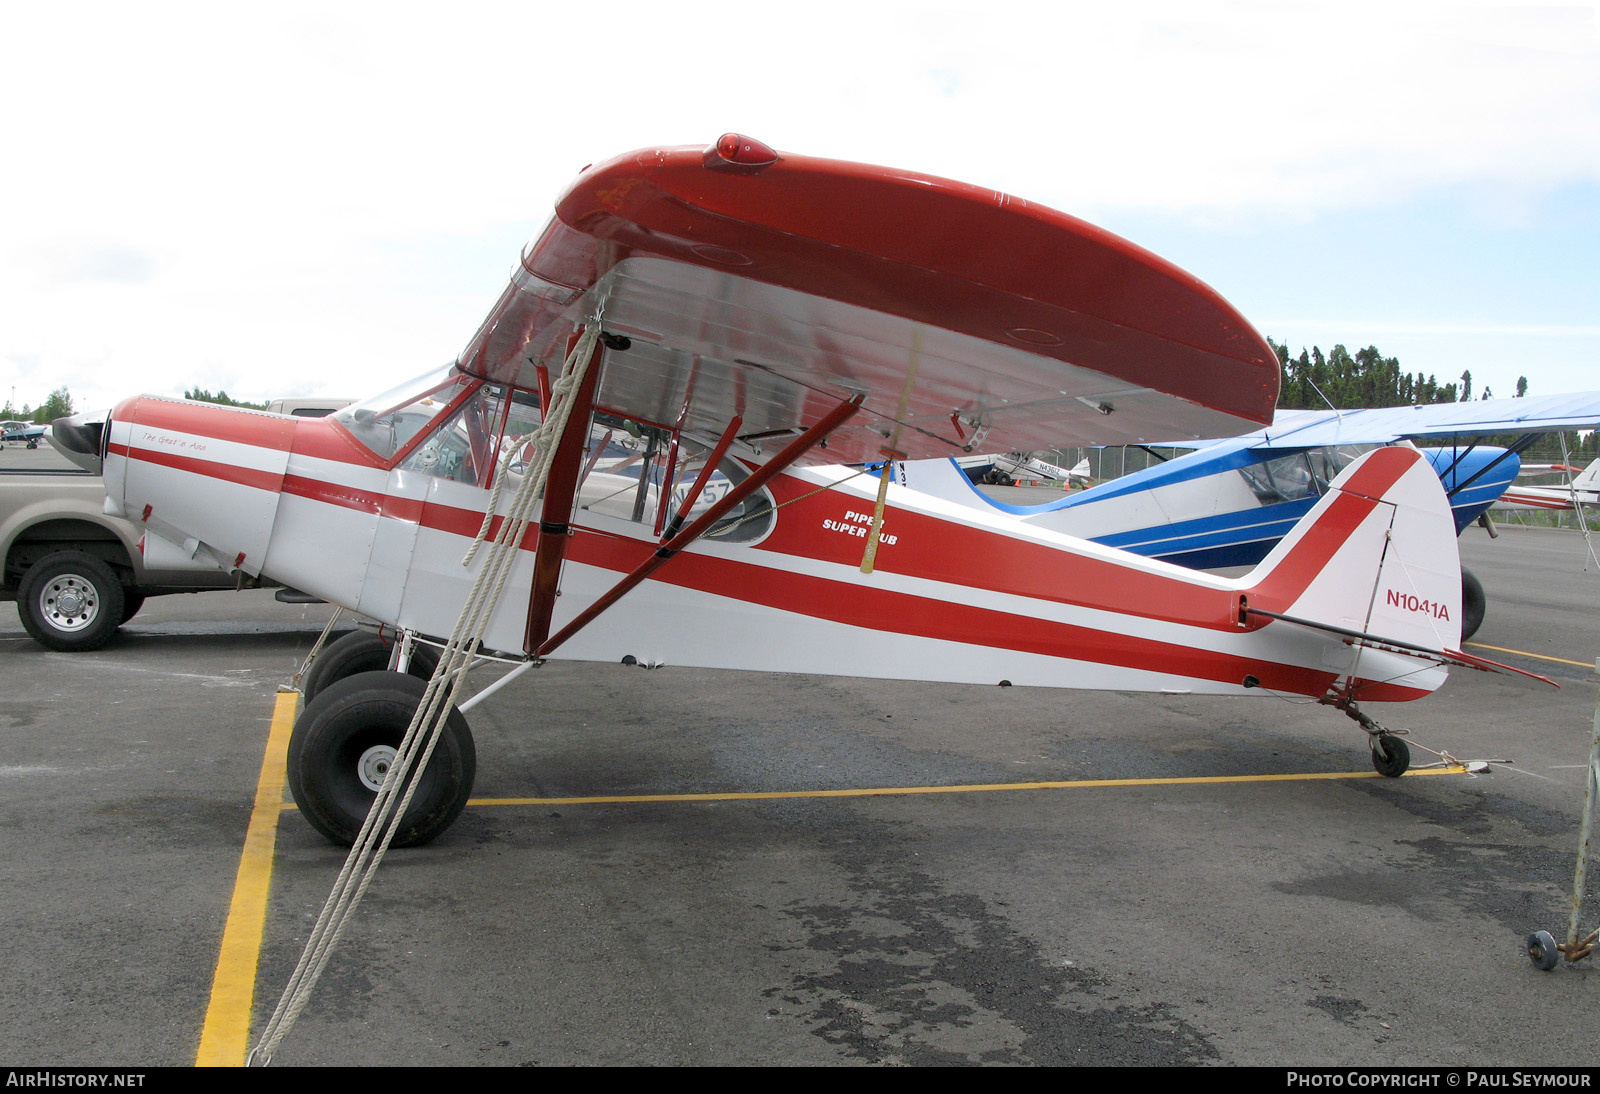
(934, 549)
(925, 617)
(949, 552)
(244, 476)
(929, 548)
(429, 514)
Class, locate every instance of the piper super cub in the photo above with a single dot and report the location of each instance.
(638, 433)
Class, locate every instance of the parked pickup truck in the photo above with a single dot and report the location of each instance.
(77, 574)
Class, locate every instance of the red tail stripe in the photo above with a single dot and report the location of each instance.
(1315, 548)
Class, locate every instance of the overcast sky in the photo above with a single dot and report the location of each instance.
(297, 199)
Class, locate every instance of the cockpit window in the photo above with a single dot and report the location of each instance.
(1287, 478)
(634, 472)
(1301, 474)
(387, 422)
(1328, 461)
(746, 522)
(466, 447)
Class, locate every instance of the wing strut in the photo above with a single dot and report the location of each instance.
(758, 478)
(559, 492)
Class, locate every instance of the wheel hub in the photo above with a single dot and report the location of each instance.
(374, 765)
(69, 603)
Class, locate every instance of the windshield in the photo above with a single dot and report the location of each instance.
(385, 423)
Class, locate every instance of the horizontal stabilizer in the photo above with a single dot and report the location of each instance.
(1378, 642)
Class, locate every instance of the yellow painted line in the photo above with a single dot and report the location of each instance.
(1540, 656)
(225, 1039)
(974, 788)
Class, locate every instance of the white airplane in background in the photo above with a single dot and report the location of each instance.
(1584, 489)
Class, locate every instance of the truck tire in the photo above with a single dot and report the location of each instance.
(70, 601)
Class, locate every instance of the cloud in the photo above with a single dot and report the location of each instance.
(240, 183)
(67, 263)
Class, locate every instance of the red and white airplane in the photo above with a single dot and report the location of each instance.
(696, 333)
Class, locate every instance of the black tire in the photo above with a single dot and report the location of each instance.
(70, 601)
(132, 601)
(350, 719)
(1473, 604)
(362, 651)
(1542, 950)
(1391, 757)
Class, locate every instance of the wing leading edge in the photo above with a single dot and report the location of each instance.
(1433, 421)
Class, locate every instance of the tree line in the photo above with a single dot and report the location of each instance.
(57, 405)
(1314, 381)
(1365, 379)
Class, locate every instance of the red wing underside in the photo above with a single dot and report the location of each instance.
(963, 316)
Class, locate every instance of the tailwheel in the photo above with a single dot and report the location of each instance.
(343, 746)
(1390, 755)
(1542, 950)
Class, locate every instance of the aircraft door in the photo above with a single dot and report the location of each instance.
(416, 571)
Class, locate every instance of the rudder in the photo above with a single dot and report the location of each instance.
(1377, 556)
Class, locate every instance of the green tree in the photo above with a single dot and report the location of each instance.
(58, 405)
(1522, 386)
(1364, 379)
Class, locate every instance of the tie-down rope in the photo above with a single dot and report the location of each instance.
(427, 723)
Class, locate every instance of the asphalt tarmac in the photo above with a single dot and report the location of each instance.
(1344, 920)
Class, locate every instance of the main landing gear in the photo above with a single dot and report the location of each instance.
(358, 707)
(344, 744)
(1473, 604)
(363, 651)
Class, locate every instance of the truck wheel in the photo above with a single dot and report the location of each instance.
(70, 601)
(343, 744)
(362, 651)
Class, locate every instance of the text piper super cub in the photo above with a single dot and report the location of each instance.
(626, 463)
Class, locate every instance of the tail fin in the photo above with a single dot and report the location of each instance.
(1589, 479)
(1377, 556)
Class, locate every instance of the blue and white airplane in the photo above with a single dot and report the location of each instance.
(27, 432)
(1230, 501)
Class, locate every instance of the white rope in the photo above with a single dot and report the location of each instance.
(494, 496)
(427, 724)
